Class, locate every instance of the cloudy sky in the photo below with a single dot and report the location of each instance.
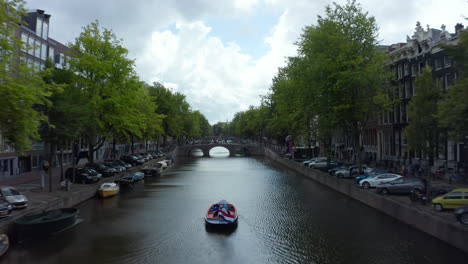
(223, 54)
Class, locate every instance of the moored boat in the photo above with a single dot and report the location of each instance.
(108, 189)
(151, 171)
(4, 244)
(46, 223)
(221, 213)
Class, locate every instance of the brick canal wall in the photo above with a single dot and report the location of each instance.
(420, 217)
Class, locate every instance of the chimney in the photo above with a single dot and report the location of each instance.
(458, 27)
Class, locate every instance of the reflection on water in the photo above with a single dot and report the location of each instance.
(283, 218)
(219, 152)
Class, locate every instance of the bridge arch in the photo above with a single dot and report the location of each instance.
(234, 149)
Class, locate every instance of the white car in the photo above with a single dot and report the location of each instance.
(318, 163)
(378, 179)
(307, 162)
(14, 197)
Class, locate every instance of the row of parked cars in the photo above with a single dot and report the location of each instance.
(385, 182)
(93, 172)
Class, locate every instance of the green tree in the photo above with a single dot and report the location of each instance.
(423, 132)
(345, 72)
(108, 87)
(22, 89)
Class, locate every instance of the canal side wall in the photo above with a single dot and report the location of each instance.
(420, 218)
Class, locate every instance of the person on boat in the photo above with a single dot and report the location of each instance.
(225, 209)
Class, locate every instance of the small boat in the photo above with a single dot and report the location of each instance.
(137, 176)
(108, 189)
(151, 171)
(46, 223)
(162, 164)
(221, 213)
(4, 244)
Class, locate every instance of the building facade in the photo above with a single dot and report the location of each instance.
(408, 59)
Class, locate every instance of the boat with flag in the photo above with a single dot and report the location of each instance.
(222, 213)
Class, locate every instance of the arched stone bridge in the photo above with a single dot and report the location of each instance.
(247, 149)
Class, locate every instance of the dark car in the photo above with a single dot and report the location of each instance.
(103, 169)
(326, 167)
(121, 163)
(83, 175)
(401, 186)
(5, 208)
(132, 159)
(462, 215)
(117, 167)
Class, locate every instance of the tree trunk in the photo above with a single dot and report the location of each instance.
(51, 161)
(113, 148)
(91, 151)
(132, 148)
(61, 165)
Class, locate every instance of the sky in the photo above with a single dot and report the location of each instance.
(223, 54)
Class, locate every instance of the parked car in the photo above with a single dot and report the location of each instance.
(379, 179)
(318, 163)
(103, 169)
(339, 168)
(14, 197)
(325, 166)
(452, 200)
(307, 162)
(352, 171)
(372, 173)
(5, 208)
(120, 162)
(401, 186)
(117, 167)
(132, 159)
(329, 166)
(144, 158)
(462, 215)
(83, 175)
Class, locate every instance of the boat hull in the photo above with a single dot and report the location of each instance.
(4, 244)
(107, 193)
(46, 223)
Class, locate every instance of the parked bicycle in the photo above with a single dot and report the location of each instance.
(421, 196)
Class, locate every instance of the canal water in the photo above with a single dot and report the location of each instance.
(284, 218)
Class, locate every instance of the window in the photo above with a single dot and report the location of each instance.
(449, 80)
(406, 69)
(35, 161)
(400, 72)
(24, 39)
(454, 195)
(465, 195)
(421, 66)
(407, 89)
(37, 66)
(39, 24)
(37, 49)
(43, 51)
(31, 46)
(45, 31)
(437, 63)
(414, 69)
(447, 61)
(51, 53)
